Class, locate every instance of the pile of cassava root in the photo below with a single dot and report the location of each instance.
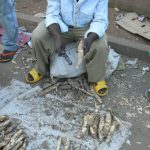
(101, 127)
(12, 136)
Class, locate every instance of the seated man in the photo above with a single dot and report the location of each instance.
(73, 20)
(9, 23)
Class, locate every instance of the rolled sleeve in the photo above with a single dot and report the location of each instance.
(53, 15)
(99, 23)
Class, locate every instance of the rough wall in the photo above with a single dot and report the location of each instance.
(139, 6)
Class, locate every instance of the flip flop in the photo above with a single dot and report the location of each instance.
(101, 88)
(6, 57)
(35, 75)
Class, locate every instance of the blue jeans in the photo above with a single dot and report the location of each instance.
(9, 23)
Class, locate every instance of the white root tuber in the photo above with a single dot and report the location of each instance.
(11, 136)
(24, 145)
(112, 130)
(67, 144)
(94, 127)
(59, 144)
(10, 129)
(6, 139)
(4, 124)
(3, 118)
(108, 121)
(87, 120)
(100, 128)
(80, 54)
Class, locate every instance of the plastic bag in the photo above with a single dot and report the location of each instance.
(61, 69)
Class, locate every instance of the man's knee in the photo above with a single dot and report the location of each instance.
(39, 33)
(36, 35)
(100, 47)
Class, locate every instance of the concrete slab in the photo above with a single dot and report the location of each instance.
(130, 48)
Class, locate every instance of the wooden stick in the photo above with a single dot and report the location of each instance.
(86, 85)
(64, 87)
(49, 89)
(95, 95)
(78, 88)
(53, 82)
(81, 83)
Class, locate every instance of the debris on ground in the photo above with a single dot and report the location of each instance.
(119, 16)
(23, 29)
(132, 62)
(12, 137)
(146, 69)
(116, 9)
(16, 55)
(40, 15)
(121, 66)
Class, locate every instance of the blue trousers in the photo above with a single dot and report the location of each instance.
(9, 23)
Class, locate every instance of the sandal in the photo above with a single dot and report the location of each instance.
(6, 56)
(34, 75)
(101, 88)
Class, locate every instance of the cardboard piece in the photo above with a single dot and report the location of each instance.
(130, 23)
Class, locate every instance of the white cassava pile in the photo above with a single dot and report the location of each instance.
(12, 137)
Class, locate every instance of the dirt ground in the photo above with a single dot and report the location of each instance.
(126, 95)
(126, 87)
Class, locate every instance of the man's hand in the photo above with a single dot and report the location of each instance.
(86, 45)
(59, 45)
(54, 30)
(87, 42)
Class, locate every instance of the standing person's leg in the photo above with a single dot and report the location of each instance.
(43, 47)
(9, 23)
